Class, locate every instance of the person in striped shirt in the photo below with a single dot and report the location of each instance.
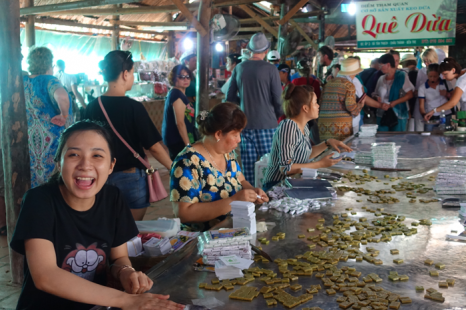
(291, 146)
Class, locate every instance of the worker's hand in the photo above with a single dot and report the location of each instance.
(327, 161)
(245, 195)
(262, 194)
(336, 145)
(135, 282)
(428, 115)
(58, 120)
(385, 106)
(150, 302)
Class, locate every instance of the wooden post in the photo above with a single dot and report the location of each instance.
(14, 125)
(30, 26)
(292, 12)
(203, 58)
(282, 32)
(116, 33)
(321, 28)
(185, 11)
(171, 48)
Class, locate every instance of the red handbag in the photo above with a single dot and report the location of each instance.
(156, 190)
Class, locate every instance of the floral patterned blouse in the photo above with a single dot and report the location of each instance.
(194, 179)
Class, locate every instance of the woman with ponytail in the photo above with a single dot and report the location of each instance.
(456, 84)
(205, 177)
(291, 146)
(132, 122)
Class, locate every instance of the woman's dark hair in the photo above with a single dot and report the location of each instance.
(394, 52)
(336, 66)
(225, 117)
(295, 97)
(433, 67)
(85, 125)
(325, 50)
(449, 64)
(387, 59)
(114, 63)
(177, 71)
(234, 58)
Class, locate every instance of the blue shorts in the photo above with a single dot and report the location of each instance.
(133, 186)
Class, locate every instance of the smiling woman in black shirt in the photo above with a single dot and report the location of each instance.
(131, 120)
(70, 229)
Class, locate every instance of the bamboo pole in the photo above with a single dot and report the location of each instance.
(69, 6)
(14, 125)
(292, 12)
(189, 16)
(203, 58)
(145, 9)
(258, 19)
(304, 34)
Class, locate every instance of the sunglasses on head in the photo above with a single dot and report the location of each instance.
(285, 70)
(184, 77)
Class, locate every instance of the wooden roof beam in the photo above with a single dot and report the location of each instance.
(189, 16)
(304, 34)
(143, 10)
(292, 12)
(69, 6)
(258, 19)
(273, 18)
(148, 24)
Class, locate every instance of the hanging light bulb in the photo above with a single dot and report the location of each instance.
(219, 47)
(352, 8)
(188, 44)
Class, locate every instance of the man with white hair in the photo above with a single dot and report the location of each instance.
(259, 87)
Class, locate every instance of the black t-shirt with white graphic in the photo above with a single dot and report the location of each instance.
(82, 240)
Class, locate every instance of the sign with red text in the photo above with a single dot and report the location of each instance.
(386, 24)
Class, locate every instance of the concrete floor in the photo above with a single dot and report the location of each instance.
(9, 294)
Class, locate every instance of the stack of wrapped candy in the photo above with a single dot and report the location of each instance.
(363, 158)
(215, 243)
(368, 130)
(384, 155)
(243, 215)
(451, 178)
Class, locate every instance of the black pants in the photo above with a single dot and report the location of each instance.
(175, 149)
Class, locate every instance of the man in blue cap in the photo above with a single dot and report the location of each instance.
(259, 87)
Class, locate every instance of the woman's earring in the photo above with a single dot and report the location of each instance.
(218, 140)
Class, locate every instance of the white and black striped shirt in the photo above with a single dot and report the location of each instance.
(290, 146)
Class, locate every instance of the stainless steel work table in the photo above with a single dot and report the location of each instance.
(176, 277)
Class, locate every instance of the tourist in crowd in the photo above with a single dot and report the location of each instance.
(48, 112)
(432, 95)
(366, 74)
(451, 70)
(292, 149)
(232, 61)
(297, 75)
(70, 83)
(259, 87)
(325, 56)
(305, 70)
(71, 228)
(396, 57)
(205, 177)
(429, 56)
(178, 127)
(409, 65)
(274, 58)
(333, 72)
(338, 105)
(393, 90)
(132, 122)
(189, 60)
(284, 71)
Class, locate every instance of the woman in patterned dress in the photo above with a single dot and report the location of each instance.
(205, 177)
(48, 112)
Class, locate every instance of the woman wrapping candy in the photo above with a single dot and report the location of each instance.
(291, 146)
(205, 177)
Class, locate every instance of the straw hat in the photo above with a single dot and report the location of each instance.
(258, 43)
(350, 66)
(407, 57)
